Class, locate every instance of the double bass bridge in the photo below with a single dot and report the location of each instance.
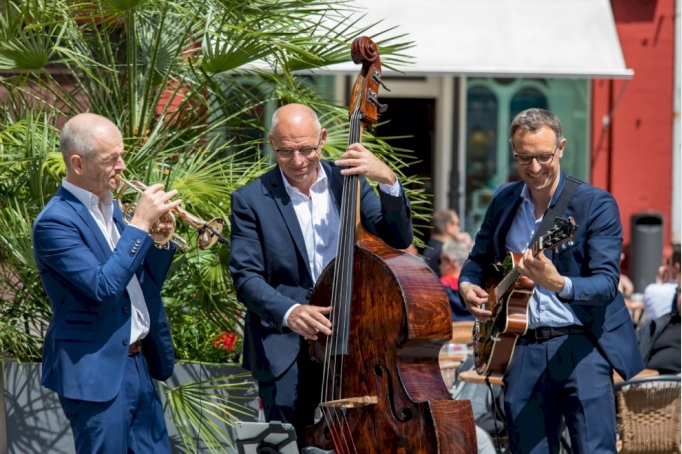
(351, 402)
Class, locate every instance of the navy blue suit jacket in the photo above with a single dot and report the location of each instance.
(269, 262)
(591, 260)
(86, 343)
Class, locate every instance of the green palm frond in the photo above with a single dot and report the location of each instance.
(200, 408)
(22, 302)
(29, 31)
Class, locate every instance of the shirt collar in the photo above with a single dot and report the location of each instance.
(86, 197)
(318, 186)
(525, 193)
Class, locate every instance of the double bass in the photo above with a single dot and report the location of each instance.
(382, 389)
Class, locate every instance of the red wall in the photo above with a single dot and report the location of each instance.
(632, 158)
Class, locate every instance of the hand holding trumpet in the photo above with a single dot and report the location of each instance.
(155, 213)
(154, 205)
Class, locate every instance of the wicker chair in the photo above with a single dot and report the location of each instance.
(648, 414)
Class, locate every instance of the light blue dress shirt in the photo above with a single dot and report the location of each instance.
(544, 308)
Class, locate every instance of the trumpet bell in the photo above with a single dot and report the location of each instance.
(210, 233)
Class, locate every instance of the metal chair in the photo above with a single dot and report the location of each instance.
(648, 415)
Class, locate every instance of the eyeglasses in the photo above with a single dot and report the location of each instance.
(542, 158)
(306, 152)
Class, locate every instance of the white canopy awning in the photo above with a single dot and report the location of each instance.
(502, 38)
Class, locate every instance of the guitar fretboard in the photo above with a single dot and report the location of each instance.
(514, 274)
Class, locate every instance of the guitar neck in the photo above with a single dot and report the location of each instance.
(514, 274)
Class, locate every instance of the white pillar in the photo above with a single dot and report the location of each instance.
(444, 133)
(462, 150)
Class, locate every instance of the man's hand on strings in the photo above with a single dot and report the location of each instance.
(541, 271)
(361, 161)
(474, 297)
(309, 320)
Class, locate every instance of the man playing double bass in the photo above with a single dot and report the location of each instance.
(284, 233)
(579, 329)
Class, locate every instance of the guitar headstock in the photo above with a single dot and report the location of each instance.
(563, 230)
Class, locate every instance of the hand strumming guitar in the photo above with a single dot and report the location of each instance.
(473, 297)
(541, 271)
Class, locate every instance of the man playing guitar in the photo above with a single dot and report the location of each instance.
(578, 328)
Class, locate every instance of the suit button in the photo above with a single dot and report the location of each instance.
(126, 309)
(125, 342)
(309, 294)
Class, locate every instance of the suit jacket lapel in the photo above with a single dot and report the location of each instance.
(84, 213)
(510, 205)
(335, 184)
(275, 184)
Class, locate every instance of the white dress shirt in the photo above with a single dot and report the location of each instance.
(139, 322)
(545, 308)
(658, 299)
(318, 217)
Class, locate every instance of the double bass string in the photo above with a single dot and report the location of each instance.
(337, 347)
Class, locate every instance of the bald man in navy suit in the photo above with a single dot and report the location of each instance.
(109, 334)
(284, 232)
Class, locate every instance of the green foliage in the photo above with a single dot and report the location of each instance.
(200, 406)
(191, 85)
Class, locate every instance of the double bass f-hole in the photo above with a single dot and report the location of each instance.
(382, 371)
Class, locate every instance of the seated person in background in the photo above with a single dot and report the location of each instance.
(445, 227)
(452, 258)
(659, 298)
(625, 285)
(659, 341)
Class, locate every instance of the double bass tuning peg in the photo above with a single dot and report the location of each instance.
(376, 76)
(373, 99)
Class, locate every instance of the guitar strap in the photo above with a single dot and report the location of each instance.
(559, 207)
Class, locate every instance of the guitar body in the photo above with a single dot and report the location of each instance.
(508, 297)
(494, 340)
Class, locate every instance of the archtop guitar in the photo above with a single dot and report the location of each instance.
(508, 298)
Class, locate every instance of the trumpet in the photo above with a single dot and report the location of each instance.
(209, 231)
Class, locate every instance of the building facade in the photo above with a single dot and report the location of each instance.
(619, 121)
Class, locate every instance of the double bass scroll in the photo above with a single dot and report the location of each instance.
(382, 388)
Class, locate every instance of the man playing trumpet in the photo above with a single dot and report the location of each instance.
(109, 333)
